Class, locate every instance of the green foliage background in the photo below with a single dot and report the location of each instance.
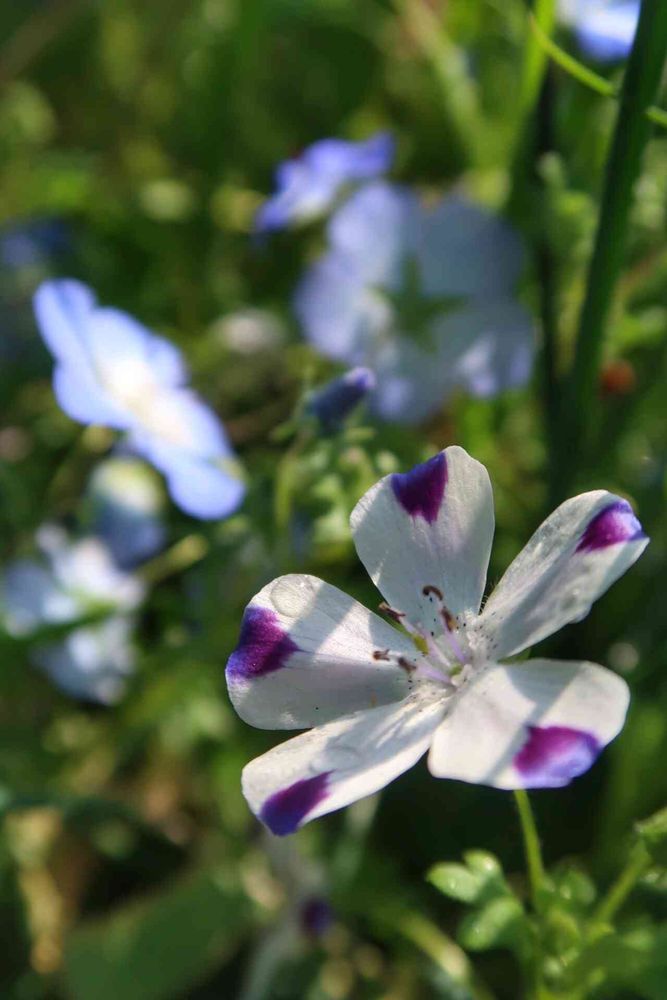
(130, 866)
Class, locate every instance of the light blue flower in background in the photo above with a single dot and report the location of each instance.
(605, 29)
(67, 582)
(111, 370)
(424, 296)
(307, 187)
(127, 504)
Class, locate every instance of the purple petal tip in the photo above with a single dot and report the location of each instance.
(263, 646)
(553, 755)
(615, 523)
(284, 811)
(420, 492)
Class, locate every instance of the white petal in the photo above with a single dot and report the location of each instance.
(431, 527)
(305, 656)
(572, 558)
(536, 724)
(333, 765)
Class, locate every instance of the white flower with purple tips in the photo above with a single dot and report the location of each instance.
(424, 296)
(375, 697)
(306, 187)
(111, 370)
(605, 29)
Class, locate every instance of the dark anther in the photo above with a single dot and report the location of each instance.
(386, 609)
(448, 619)
(406, 665)
(381, 654)
(430, 589)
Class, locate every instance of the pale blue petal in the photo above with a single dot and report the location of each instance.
(376, 229)
(340, 315)
(82, 398)
(487, 348)
(32, 598)
(203, 489)
(181, 421)
(352, 160)
(114, 335)
(607, 34)
(464, 250)
(62, 309)
(91, 663)
(306, 187)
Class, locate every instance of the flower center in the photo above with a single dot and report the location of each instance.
(442, 653)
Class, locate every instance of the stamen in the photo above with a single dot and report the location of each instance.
(448, 621)
(390, 612)
(381, 654)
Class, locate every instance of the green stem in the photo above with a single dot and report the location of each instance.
(531, 843)
(631, 134)
(638, 863)
(535, 865)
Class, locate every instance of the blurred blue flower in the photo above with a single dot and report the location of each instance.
(424, 296)
(337, 399)
(111, 370)
(306, 187)
(25, 244)
(127, 509)
(67, 582)
(605, 29)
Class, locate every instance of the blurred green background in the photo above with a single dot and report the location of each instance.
(130, 865)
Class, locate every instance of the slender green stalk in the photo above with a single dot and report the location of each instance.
(535, 57)
(631, 134)
(531, 843)
(638, 863)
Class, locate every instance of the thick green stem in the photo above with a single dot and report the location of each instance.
(632, 132)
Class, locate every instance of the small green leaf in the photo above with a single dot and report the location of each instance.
(456, 881)
(500, 923)
(652, 832)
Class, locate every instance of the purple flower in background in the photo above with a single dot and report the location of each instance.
(67, 582)
(127, 504)
(336, 400)
(424, 296)
(307, 186)
(376, 699)
(605, 29)
(111, 370)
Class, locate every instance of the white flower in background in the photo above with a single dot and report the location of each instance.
(377, 698)
(70, 581)
(111, 370)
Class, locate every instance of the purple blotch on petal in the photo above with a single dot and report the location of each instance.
(263, 647)
(615, 523)
(553, 755)
(284, 811)
(421, 490)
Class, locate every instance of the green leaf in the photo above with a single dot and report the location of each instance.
(652, 832)
(158, 948)
(456, 881)
(500, 923)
